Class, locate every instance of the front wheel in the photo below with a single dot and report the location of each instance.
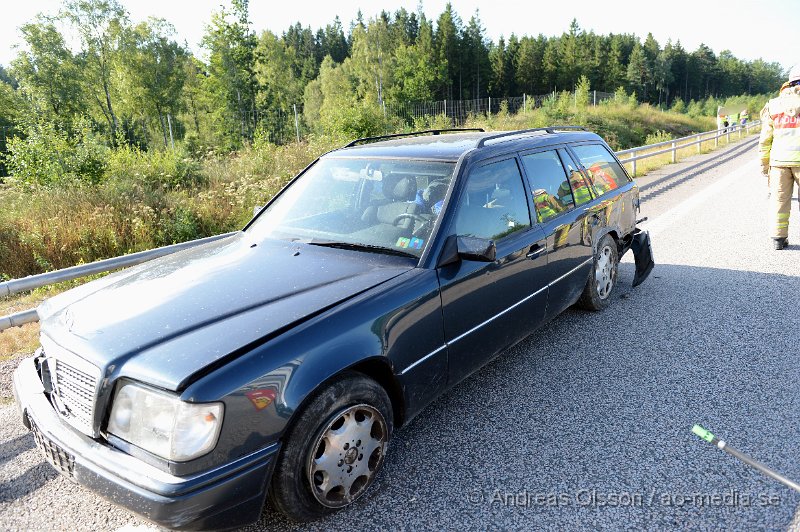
(334, 450)
(603, 277)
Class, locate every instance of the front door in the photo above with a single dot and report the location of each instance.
(489, 306)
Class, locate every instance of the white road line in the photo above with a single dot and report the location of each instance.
(680, 212)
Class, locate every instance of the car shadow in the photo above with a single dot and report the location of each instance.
(604, 402)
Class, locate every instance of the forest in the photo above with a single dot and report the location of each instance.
(116, 137)
(136, 84)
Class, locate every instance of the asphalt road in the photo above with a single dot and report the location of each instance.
(586, 423)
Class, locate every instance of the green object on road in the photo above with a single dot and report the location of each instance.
(702, 433)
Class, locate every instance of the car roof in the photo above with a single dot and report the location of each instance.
(451, 146)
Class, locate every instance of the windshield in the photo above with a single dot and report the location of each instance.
(378, 204)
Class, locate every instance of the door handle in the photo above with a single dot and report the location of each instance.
(536, 251)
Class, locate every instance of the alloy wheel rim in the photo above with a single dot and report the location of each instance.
(346, 456)
(604, 272)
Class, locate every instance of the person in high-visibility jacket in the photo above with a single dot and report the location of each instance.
(580, 188)
(546, 205)
(779, 148)
(602, 180)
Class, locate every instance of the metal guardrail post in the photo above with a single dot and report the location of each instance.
(699, 142)
(31, 282)
(674, 153)
(18, 319)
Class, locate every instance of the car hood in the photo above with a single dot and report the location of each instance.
(165, 320)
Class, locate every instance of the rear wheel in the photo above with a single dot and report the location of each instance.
(334, 450)
(603, 277)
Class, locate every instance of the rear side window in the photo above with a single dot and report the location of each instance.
(494, 203)
(550, 187)
(604, 171)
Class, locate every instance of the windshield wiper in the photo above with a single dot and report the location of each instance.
(361, 247)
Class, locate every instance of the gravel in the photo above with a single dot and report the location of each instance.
(586, 423)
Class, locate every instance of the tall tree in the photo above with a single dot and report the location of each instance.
(639, 74)
(475, 59)
(101, 25)
(231, 81)
(448, 41)
(417, 74)
(49, 74)
(153, 68)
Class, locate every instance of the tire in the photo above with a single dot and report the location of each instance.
(603, 277)
(334, 450)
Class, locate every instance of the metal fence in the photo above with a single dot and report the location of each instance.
(684, 142)
(457, 112)
(18, 319)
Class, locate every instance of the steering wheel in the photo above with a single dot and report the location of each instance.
(416, 217)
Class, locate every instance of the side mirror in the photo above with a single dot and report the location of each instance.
(467, 248)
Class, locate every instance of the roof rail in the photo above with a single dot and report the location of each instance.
(550, 129)
(413, 133)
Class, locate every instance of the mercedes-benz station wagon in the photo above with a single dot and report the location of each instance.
(275, 364)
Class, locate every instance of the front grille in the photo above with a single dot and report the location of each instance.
(73, 385)
(53, 453)
(76, 391)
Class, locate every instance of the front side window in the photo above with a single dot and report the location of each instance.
(494, 204)
(376, 203)
(552, 194)
(604, 171)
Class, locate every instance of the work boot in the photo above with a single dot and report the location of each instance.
(779, 243)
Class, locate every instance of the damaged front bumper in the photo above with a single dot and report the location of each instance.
(228, 496)
(642, 255)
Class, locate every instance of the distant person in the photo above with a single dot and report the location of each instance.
(720, 121)
(726, 122)
(779, 147)
(743, 116)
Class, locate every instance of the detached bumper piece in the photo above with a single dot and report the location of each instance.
(229, 496)
(642, 255)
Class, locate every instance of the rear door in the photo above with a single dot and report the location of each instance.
(488, 306)
(618, 197)
(563, 200)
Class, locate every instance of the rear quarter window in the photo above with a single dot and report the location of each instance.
(603, 169)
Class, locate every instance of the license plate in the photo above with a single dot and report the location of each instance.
(52, 452)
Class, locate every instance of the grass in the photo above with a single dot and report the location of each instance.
(24, 340)
(43, 229)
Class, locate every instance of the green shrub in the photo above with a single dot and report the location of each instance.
(678, 106)
(48, 154)
(658, 136)
(582, 91)
(361, 120)
(171, 169)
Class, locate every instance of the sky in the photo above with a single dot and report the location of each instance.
(766, 29)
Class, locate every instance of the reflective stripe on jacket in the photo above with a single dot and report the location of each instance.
(779, 143)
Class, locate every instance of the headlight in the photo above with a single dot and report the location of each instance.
(161, 423)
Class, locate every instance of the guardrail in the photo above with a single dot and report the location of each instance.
(683, 142)
(15, 286)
